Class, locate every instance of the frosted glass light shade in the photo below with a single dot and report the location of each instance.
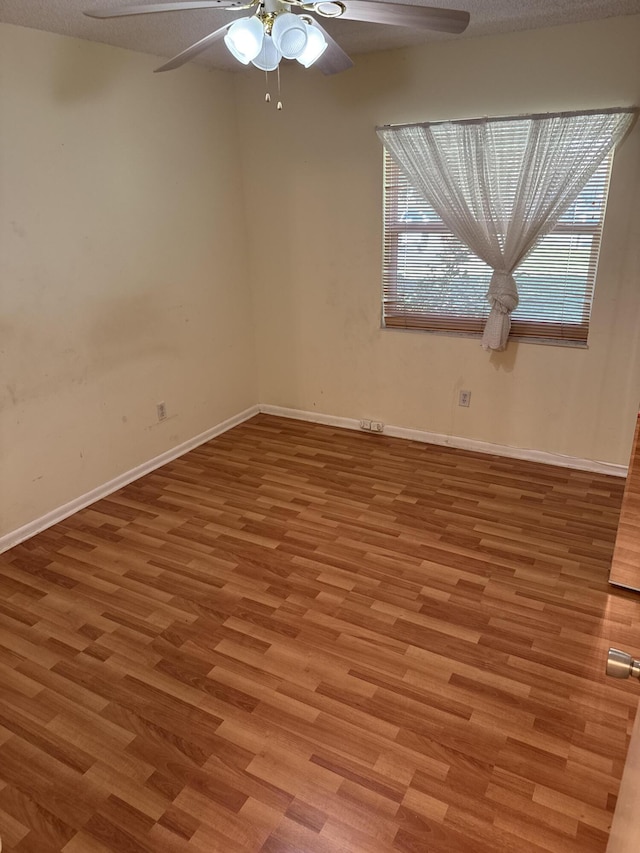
(314, 48)
(244, 39)
(289, 35)
(269, 57)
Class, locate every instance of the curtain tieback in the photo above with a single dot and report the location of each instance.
(503, 293)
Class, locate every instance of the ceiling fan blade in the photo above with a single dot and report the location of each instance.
(194, 49)
(149, 8)
(334, 59)
(404, 15)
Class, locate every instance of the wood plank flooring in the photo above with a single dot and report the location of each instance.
(296, 639)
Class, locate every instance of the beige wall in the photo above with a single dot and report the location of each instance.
(122, 266)
(315, 215)
(126, 252)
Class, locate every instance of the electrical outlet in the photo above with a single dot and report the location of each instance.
(161, 409)
(371, 426)
(464, 398)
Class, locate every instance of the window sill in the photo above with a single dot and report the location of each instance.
(521, 339)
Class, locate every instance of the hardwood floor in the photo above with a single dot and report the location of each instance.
(297, 639)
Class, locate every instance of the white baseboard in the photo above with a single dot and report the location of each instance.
(15, 537)
(455, 441)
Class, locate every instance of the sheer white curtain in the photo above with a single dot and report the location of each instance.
(500, 185)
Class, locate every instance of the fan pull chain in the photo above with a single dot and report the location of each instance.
(267, 96)
(279, 106)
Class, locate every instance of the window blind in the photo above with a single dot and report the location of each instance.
(432, 281)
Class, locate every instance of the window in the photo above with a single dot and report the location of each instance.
(432, 281)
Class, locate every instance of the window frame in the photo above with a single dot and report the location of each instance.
(532, 331)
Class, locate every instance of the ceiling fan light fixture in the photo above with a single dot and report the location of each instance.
(289, 34)
(249, 39)
(314, 48)
(269, 57)
(244, 39)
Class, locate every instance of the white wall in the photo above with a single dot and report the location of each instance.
(123, 280)
(315, 214)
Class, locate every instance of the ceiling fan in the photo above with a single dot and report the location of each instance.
(274, 31)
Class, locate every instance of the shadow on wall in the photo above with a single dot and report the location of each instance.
(383, 81)
(78, 73)
(506, 359)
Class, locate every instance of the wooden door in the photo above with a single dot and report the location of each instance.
(625, 566)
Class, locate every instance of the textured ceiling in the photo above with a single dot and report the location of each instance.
(168, 33)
